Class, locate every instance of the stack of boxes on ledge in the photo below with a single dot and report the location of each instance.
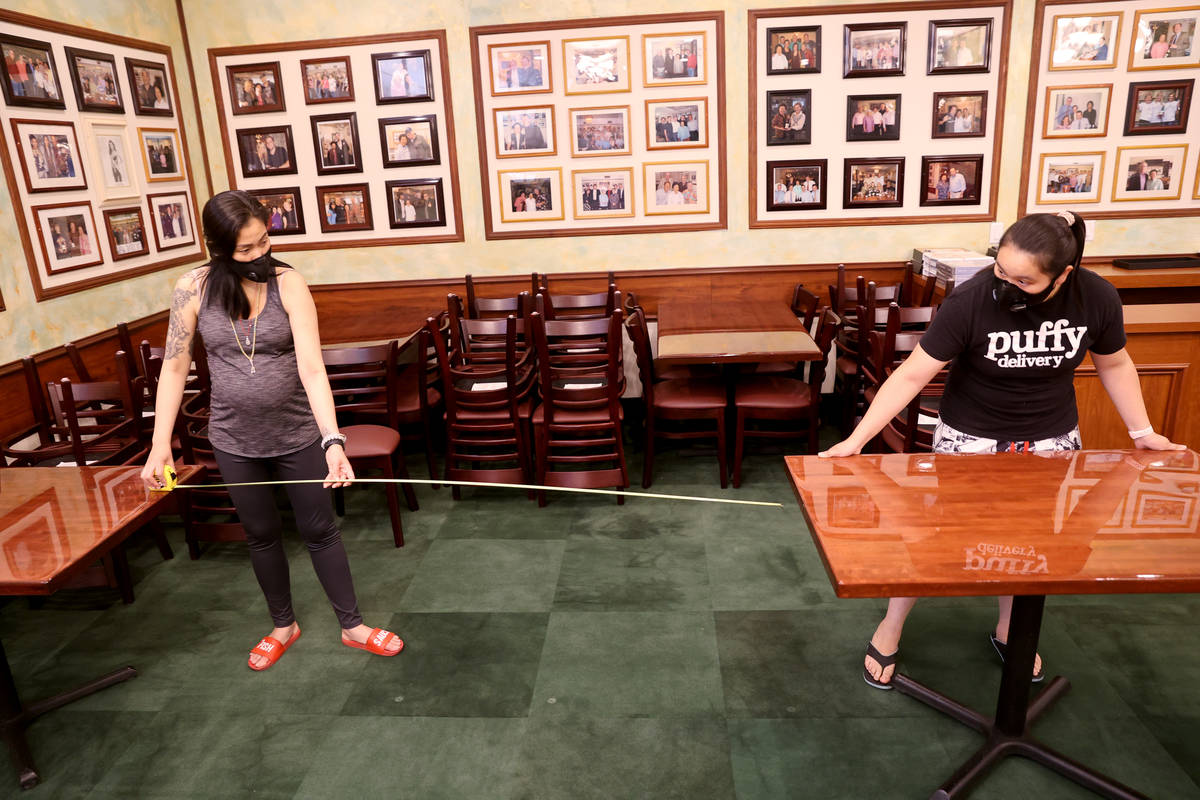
(950, 266)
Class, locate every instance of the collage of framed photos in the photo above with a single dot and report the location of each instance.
(95, 156)
(909, 98)
(341, 136)
(1113, 85)
(606, 128)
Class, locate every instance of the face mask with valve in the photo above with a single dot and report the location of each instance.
(1009, 296)
(257, 270)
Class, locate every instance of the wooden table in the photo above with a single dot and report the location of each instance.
(1084, 522)
(54, 523)
(731, 333)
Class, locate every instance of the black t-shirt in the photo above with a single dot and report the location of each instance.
(1013, 371)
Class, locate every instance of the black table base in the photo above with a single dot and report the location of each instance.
(15, 718)
(1007, 733)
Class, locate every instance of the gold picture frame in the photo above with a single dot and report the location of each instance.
(504, 118)
(1093, 195)
(510, 55)
(652, 131)
(163, 166)
(599, 151)
(515, 183)
(1084, 43)
(1124, 153)
(652, 75)
(571, 84)
(1099, 90)
(653, 177)
(601, 209)
(1145, 41)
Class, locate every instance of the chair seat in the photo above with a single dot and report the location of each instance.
(468, 415)
(694, 394)
(847, 365)
(590, 416)
(370, 441)
(773, 393)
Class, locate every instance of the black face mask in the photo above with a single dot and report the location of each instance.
(1014, 299)
(257, 270)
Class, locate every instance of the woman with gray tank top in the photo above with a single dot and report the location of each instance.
(272, 413)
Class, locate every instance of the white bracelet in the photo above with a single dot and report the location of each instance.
(1143, 432)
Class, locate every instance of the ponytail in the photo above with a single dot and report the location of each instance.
(1055, 241)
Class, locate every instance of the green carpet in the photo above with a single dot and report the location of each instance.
(583, 650)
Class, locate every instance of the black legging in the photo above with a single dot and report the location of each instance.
(314, 517)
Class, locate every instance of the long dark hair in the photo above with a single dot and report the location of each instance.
(223, 218)
(1055, 241)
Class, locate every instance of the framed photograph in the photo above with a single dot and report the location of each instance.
(674, 59)
(600, 131)
(1158, 107)
(49, 153)
(161, 155)
(524, 131)
(1070, 178)
(1076, 111)
(959, 45)
(255, 88)
(952, 180)
(266, 151)
(672, 124)
(1085, 42)
(873, 49)
(171, 220)
(675, 187)
(327, 80)
(67, 233)
(872, 117)
(126, 233)
(409, 141)
(596, 65)
(1149, 173)
(110, 155)
(94, 78)
(285, 210)
(520, 68)
(797, 185)
(530, 195)
(416, 203)
(31, 76)
(344, 208)
(959, 115)
(602, 193)
(873, 182)
(1165, 38)
(793, 51)
(405, 77)
(789, 116)
(151, 88)
(335, 141)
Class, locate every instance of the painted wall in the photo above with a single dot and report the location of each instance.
(26, 327)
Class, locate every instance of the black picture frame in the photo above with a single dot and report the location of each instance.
(933, 68)
(292, 193)
(145, 103)
(880, 132)
(853, 68)
(942, 105)
(113, 245)
(1135, 127)
(384, 96)
(801, 168)
(794, 59)
(309, 99)
(848, 189)
(247, 142)
(319, 150)
(432, 145)
(972, 196)
(775, 102)
(361, 189)
(236, 77)
(421, 220)
(77, 81)
(7, 86)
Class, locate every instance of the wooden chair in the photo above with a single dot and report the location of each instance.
(490, 307)
(479, 341)
(102, 420)
(51, 441)
(209, 515)
(592, 305)
(889, 322)
(910, 431)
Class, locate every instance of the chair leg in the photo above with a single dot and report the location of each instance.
(410, 496)
(724, 469)
(648, 457)
(160, 539)
(739, 441)
(541, 446)
(393, 501)
(814, 445)
(619, 434)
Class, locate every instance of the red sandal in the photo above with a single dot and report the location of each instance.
(376, 643)
(271, 649)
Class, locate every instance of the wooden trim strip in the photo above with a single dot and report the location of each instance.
(187, 54)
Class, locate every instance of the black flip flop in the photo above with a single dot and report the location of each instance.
(884, 662)
(1002, 648)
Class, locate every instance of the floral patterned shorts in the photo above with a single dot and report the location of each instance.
(951, 440)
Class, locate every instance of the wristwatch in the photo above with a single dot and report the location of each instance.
(332, 439)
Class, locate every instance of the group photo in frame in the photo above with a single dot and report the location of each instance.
(524, 131)
(327, 80)
(959, 46)
(873, 182)
(596, 65)
(31, 77)
(94, 79)
(520, 68)
(171, 220)
(959, 115)
(409, 141)
(67, 234)
(1151, 172)
(952, 180)
(600, 131)
(794, 50)
(402, 77)
(48, 151)
(789, 117)
(415, 203)
(285, 210)
(530, 195)
(110, 154)
(336, 143)
(1158, 107)
(1076, 111)
(1084, 41)
(345, 208)
(674, 124)
(674, 59)
(126, 230)
(255, 88)
(872, 117)
(872, 49)
(148, 84)
(1165, 38)
(675, 187)
(1070, 178)
(602, 193)
(266, 151)
(797, 184)
(161, 154)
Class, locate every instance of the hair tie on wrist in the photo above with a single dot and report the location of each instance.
(1067, 217)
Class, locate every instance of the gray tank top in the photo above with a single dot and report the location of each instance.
(263, 413)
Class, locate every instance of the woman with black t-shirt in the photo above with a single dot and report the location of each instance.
(1015, 336)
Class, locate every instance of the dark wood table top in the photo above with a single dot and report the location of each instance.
(706, 332)
(1084, 522)
(56, 521)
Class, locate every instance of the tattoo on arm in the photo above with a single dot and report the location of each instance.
(179, 337)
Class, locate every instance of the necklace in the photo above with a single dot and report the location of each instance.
(251, 336)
